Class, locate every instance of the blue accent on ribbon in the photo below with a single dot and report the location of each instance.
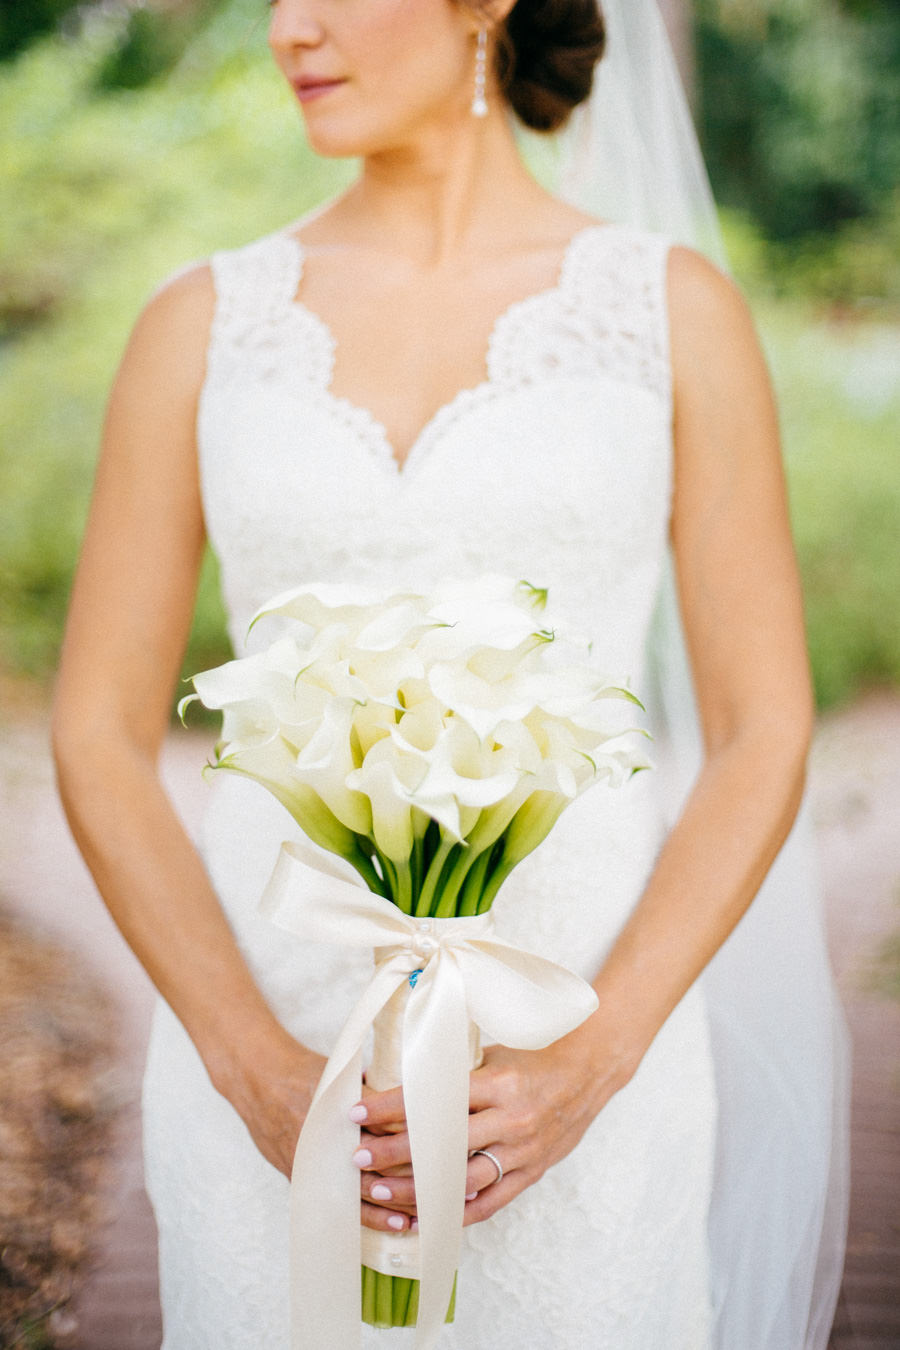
(413, 977)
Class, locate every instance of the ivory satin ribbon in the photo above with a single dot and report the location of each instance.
(516, 998)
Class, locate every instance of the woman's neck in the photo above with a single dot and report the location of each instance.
(455, 189)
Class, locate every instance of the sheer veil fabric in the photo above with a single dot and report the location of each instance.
(778, 1219)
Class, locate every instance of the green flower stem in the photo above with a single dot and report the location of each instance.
(368, 1295)
(390, 1300)
(417, 863)
(499, 874)
(400, 1300)
(403, 895)
(473, 888)
(384, 1310)
(398, 881)
(456, 884)
(433, 876)
(390, 876)
(366, 870)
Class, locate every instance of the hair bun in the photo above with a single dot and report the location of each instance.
(546, 54)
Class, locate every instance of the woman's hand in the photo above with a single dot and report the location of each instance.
(528, 1107)
(272, 1089)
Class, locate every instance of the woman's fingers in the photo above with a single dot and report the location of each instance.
(527, 1108)
(493, 1198)
(483, 1172)
(503, 1120)
(381, 1152)
(379, 1109)
(385, 1220)
(389, 1191)
(394, 1195)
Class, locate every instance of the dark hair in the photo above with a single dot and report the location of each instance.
(546, 54)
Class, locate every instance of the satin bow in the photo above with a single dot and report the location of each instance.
(516, 998)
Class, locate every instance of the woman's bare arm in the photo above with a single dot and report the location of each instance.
(742, 609)
(129, 619)
(742, 612)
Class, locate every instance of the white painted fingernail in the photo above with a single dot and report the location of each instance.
(380, 1192)
(396, 1222)
(473, 1195)
(414, 1226)
(358, 1114)
(362, 1157)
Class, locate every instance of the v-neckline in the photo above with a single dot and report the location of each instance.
(468, 394)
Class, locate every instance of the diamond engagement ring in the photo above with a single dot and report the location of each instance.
(485, 1152)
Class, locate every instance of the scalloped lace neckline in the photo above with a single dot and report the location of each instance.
(370, 427)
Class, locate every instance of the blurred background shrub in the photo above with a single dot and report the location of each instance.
(137, 137)
(799, 107)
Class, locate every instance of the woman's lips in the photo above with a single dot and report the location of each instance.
(310, 87)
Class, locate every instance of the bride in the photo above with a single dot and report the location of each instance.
(450, 371)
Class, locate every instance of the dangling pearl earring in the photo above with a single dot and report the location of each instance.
(479, 102)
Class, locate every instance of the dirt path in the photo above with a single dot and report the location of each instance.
(856, 790)
(856, 787)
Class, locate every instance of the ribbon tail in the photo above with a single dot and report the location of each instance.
(436, 1096)
(324, 1188)
(324, 1199)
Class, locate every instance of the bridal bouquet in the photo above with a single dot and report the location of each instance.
(430, 742)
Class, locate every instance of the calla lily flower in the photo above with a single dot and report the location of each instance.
(443, 733)
(272, 766)
(462, 775)
(386, 779)
(326, 761)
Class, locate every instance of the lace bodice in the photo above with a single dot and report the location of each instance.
(557, 468)
(565, 439)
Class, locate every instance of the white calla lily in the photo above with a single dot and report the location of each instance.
(499, 626)
(385, 778)
(396, 625)
(372, 721)
(272, 765)
(385, 673)
(482, 703)
(325, 603)
(325, 762)
(458, 723)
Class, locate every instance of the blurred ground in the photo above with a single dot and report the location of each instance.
(856, 792)
(58, 1099)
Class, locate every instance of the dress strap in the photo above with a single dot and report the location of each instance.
(255, 286)
(616, 276)
(258, 279)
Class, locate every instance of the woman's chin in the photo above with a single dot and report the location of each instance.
(336, 142)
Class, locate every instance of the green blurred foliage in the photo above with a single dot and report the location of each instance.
(834, 352)
(837, 385)
(21, 21)
(150, 43)
(799, 101)
(121, 167)
(106, 191)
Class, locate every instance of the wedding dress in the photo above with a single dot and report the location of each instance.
(557, 469)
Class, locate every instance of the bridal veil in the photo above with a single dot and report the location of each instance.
(778, 1219)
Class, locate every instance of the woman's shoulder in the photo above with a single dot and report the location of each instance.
(174, 323)
(193, 296)
(708, 313)
(695, 282)
(187, 292)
